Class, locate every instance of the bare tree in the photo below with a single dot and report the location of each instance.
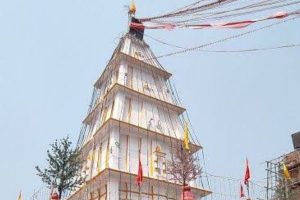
(183, 166)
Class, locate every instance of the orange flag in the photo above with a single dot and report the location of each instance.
(242, 194)
(139, 178)
(247, 173)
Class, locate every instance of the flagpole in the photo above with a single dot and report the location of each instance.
(248, 191)
(139, 145)
(247, 177)
(140, 192)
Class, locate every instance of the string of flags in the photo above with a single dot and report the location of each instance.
(230, 25)
(297, 45)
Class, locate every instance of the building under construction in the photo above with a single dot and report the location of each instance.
(283, 179)
(134, 124)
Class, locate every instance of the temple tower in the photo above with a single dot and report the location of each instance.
(133, 116)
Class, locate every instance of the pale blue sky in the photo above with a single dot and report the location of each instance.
(51, 52)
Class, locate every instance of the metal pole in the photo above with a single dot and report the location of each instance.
(268, 176)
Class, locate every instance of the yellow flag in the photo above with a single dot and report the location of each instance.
(89, 163)
(107, 154)
(286, 172)
(90, 156)
(186, 140)
(151, 165)
(132, 7)
(20, 196)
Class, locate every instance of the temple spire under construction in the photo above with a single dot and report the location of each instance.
(133, 126)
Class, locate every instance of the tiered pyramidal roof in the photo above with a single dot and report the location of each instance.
(133, 116)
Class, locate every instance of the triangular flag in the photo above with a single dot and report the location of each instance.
(139, 178)
(247, 173)
(132, 7)
(286, 172)
(242, 194)
(186, 140)
(20, 196)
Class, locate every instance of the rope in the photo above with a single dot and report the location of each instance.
(197, 48)
(191, 14)
(189, 9)
(296, 45)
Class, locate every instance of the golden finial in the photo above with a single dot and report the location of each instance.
(132, 7)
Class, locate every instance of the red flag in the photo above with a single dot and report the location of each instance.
(139, 178)
(247, 173)
(242, 194)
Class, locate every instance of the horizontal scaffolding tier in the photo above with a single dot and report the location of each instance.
(146, 62)
(119, 87)
(108, 174)
(136, 130)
